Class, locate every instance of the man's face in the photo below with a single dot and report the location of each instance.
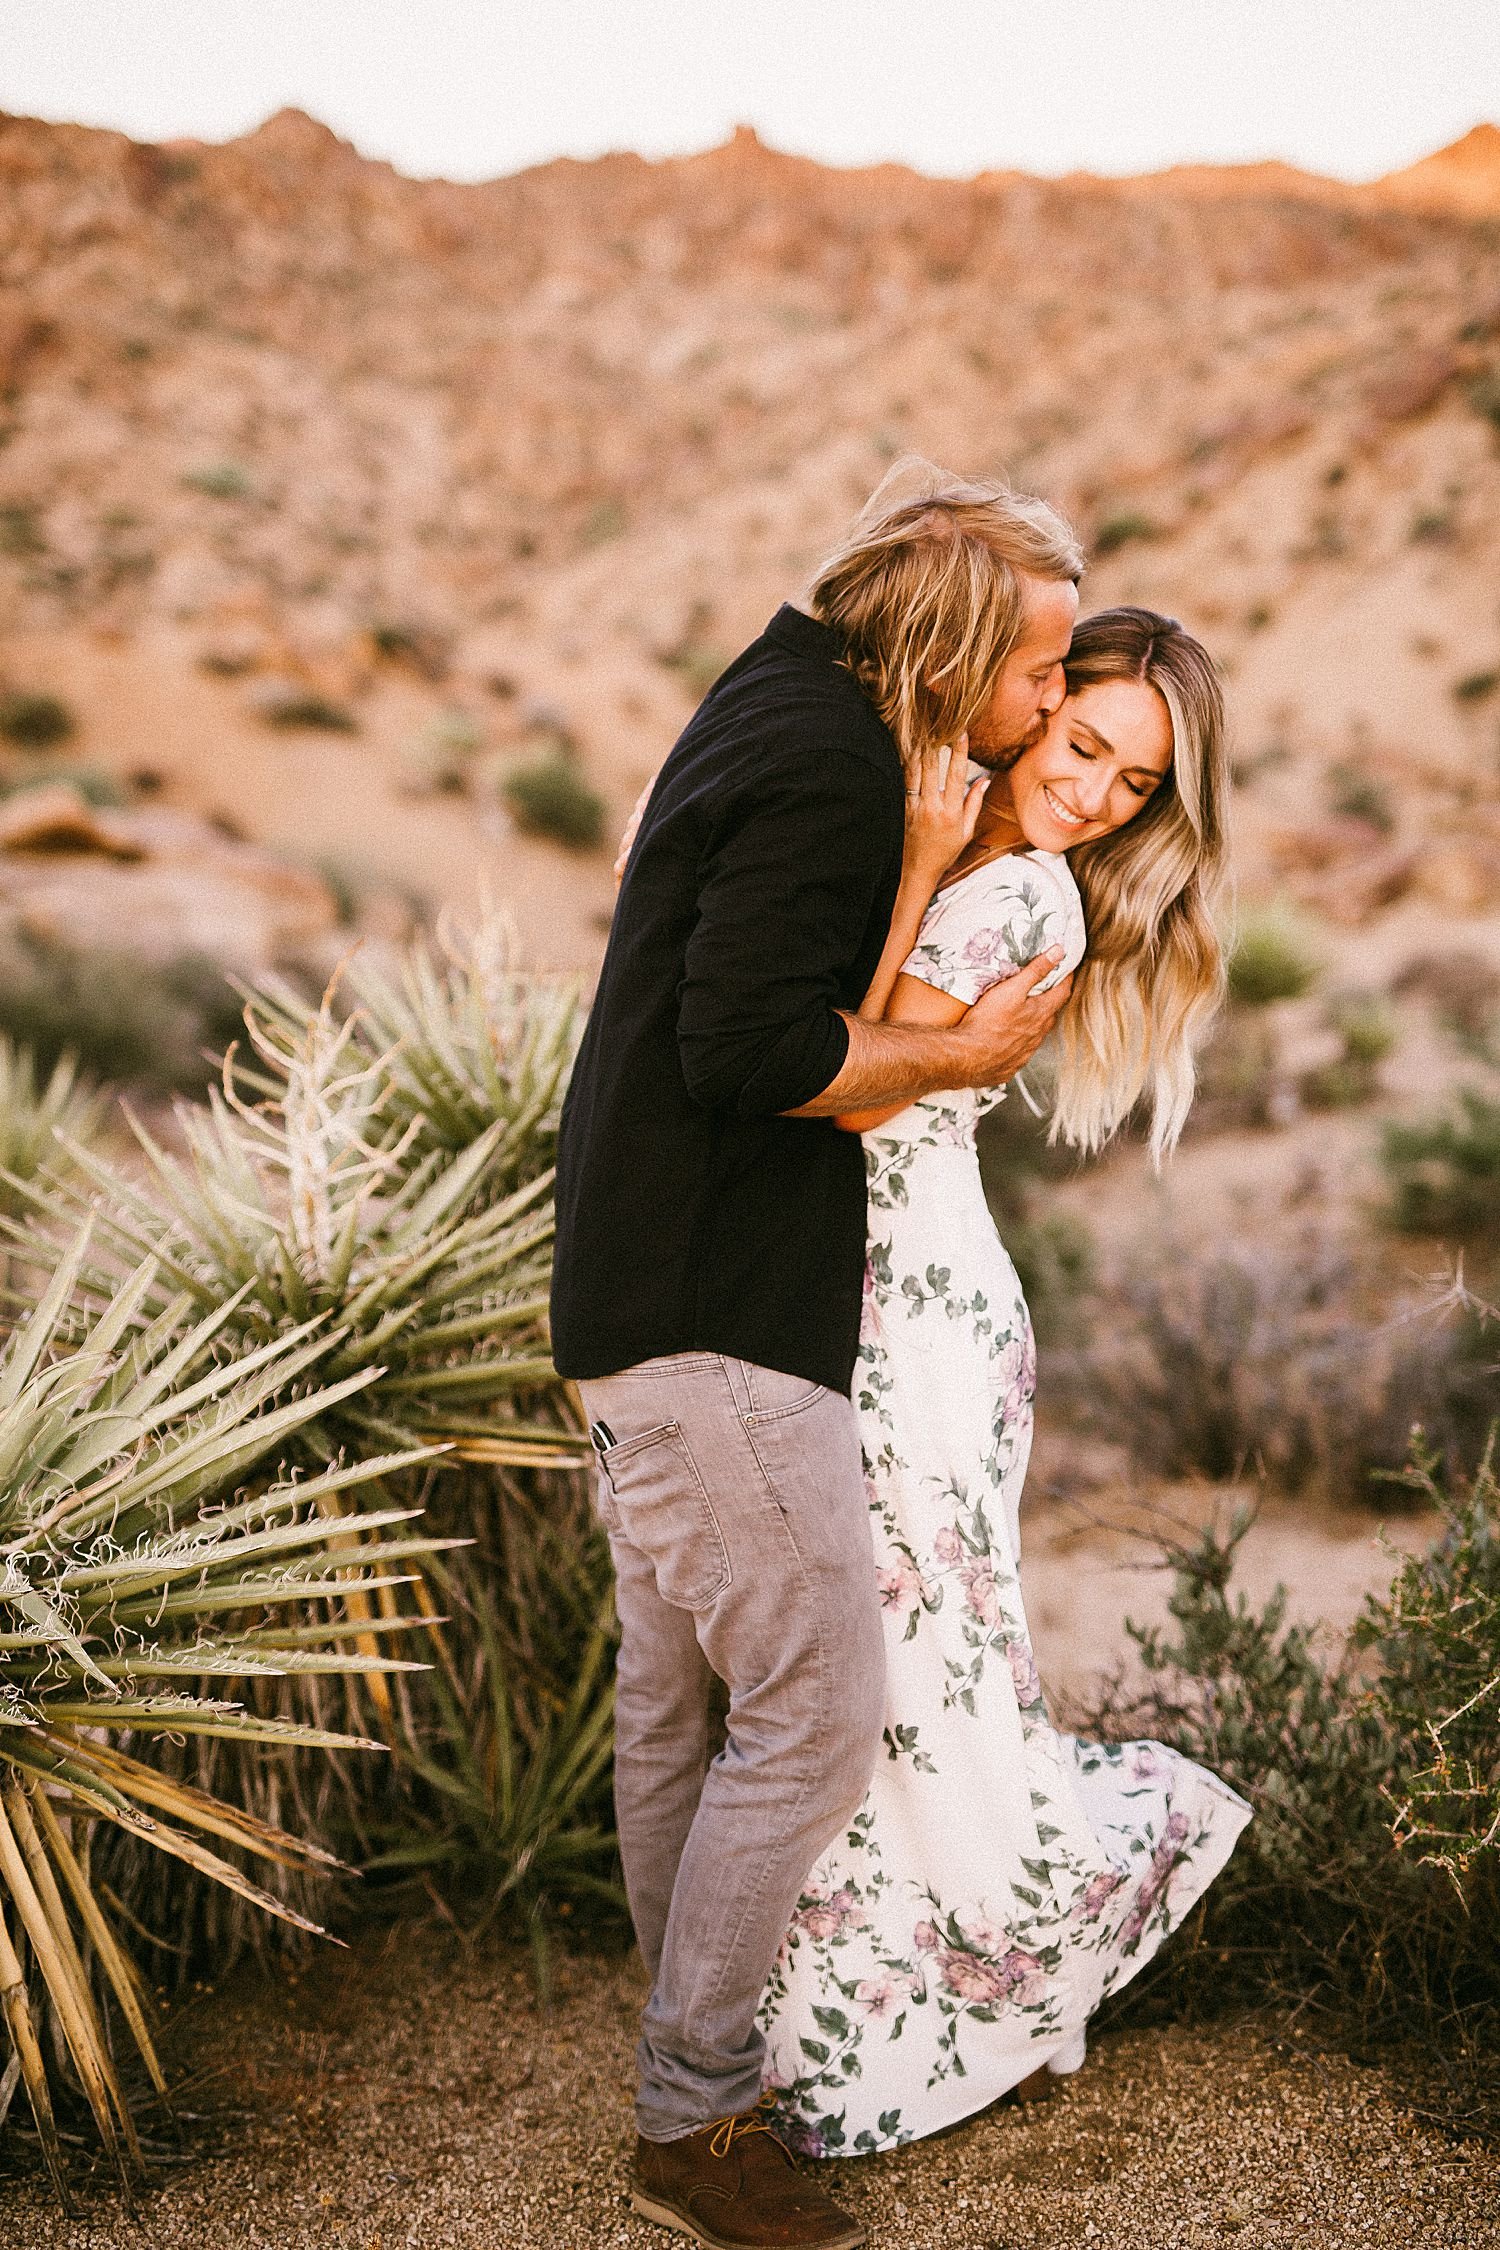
(1030, 685)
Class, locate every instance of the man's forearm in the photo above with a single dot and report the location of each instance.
(893, 1063)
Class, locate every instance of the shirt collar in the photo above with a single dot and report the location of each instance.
(805, 636)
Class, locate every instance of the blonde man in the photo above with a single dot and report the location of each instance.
(710, 1258)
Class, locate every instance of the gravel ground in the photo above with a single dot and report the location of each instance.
(409, 2096)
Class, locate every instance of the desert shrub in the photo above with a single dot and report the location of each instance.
(1367, 1034)
(1357, 795)
(36, 1108)
(1272, 958)
(91, 783)
(1443, 1172)
(605, 521)
(219, 480)
(1241, 1077)
(35, 722)
(126, 1018)
(281, 706)
(1367, 1887)
(1432, 527)
(695, 656)
(1474, 687)
(1119, 531)
(1249, 1358)
(442, 755)
(549, 797)
(1484, 396)
(21, 530)
(500, 1790)
(1464, 991)
(148, 1563)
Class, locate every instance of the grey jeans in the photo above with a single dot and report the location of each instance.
(735, 1506)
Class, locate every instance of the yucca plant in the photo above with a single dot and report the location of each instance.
(507, 1761)
(462, 1041)
(137, 1565)
(39, 1115)
(316, 1201)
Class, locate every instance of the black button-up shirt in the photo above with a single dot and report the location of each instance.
(691, 1214)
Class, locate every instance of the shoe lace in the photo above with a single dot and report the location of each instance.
(728, 2130)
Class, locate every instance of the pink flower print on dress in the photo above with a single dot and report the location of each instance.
(989, 950)
(881, 1996)
(1145, 1765)
(926, 1937)
(1098, 1892)
(981, 1592)
(984, 1935)
(947, 1545)
(1025, 1977)
(981, 1983)
(1158, 1876)
(900, 1588)
(1023, 1673)
(828, 1915)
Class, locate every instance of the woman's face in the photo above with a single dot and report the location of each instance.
(1105, 753)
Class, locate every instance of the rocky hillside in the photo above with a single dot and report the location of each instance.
(328, 495)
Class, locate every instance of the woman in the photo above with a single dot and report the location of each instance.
(1001, 1878)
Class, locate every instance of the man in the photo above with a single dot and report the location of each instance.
(710, 1258)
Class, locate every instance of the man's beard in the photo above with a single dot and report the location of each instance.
(997, 758)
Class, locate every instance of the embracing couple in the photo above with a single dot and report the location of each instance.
(881, 1890)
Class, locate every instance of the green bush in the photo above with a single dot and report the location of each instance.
(1246, 1359)
(127, 1019)
(297, 707)
(35, 722)
(219, 480)
(501, 1788)
(1367, 1887)
(35, 1109)
(92, 783)
(1119, 531)
(1357, 795)
(1484, 397)
(1272, 958)
(1444, 1171)
(549, 797)
(1367, 1031)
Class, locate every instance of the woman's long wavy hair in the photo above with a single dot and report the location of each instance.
(1153, 975)
(927, 590)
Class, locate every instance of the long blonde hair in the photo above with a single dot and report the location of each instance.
(927, 591)
(1153, 975)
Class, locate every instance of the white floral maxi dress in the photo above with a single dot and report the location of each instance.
(1000, 1878)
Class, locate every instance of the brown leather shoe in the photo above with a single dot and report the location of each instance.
(733, 2186)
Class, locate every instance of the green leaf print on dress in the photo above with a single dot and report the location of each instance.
(999, 1878)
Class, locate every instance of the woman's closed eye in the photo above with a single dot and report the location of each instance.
(1090, 757)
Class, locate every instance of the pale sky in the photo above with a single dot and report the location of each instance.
(474, 88)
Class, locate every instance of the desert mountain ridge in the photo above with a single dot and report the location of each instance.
(327, 494)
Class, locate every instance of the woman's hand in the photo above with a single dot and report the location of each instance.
(629, 836)
(941, 812)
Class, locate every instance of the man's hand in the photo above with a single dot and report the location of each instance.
(1007, 1024)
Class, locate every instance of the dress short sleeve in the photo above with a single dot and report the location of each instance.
(991, 923)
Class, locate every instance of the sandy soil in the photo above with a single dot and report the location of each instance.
(407, 2095)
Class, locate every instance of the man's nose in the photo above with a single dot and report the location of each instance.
(1054, 692)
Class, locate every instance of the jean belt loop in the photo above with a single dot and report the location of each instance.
(737, 1375)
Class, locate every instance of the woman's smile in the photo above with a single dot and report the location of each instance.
(1062, 812)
